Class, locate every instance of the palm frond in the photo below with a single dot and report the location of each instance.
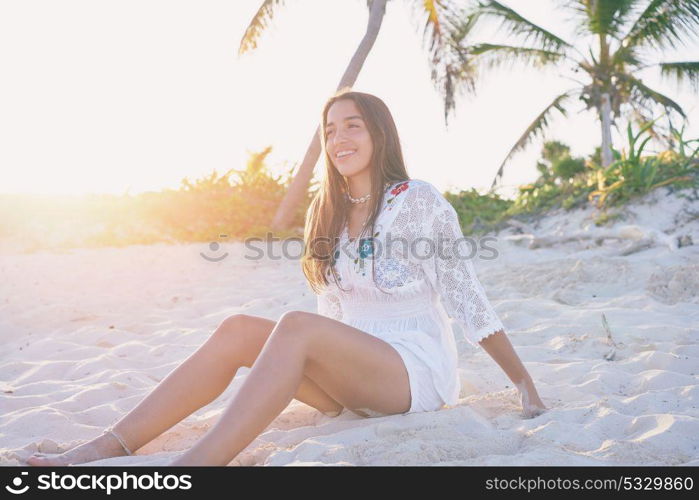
(258, 24)
(445, 27)
(437, 16)
(537, 127)
(446, 82)
(681, 71)
(494, 55)
(462, 24)
(664, 23)
(602, 16)
(433, 24)
(641, 94)
(453, 76)
(427, 16)
(626, 56)
(518, 25)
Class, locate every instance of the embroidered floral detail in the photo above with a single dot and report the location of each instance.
(366, 247)
(365, 250)
(332, 268)
(403, 186)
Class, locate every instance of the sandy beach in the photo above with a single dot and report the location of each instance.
(606, 319)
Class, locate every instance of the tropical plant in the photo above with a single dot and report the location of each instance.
(557, 161)
(682, 144)
(478, 212)
(635, 174)
(626, 32)
(568, 166)
(233, 205)
(439, 16)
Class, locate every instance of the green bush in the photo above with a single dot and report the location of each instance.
(241, 203)
(234, 205)
(634, 175)
(569, 182)
(478, 212)
(567, 167)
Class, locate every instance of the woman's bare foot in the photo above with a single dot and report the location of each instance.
(103, 446)
(532, 406)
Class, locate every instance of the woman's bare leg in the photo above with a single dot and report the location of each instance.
(199, 380)
(355, 368)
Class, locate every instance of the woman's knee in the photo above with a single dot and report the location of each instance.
(293, 324)
(294, 317)
(233, 323)
(233, 330)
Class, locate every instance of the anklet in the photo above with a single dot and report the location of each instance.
(110, 430)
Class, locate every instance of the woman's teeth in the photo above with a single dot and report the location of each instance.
(345, 153)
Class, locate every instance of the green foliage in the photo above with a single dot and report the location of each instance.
(239, 203)
(478, 212)
(571, 182)
(561, 182)
(216, 207)
(595, 159)
(568, 167)
(634, 174)
(557, 163)
(553, 151)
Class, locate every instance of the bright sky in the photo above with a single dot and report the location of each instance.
(103, 96)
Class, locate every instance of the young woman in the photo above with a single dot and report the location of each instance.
(380, 343)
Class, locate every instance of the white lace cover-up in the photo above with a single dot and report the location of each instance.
(425, 287)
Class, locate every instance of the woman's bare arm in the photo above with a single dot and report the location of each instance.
(499, 348)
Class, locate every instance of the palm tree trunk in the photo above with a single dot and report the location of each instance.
(299, 185)
(605, 103)
(605, 119)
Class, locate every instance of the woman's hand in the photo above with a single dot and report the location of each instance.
(532, 406)
(500, 349)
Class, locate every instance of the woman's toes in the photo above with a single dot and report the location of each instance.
(41, 460)
(37, 459)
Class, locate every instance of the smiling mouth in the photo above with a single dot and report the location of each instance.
(344, 155)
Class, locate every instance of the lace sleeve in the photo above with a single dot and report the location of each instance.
(450, 271)
(329, 305)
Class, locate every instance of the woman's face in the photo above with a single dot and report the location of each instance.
(347, 138)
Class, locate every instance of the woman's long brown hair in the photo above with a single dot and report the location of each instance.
(329, 209)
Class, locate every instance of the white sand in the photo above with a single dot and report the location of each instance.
(86, 334)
